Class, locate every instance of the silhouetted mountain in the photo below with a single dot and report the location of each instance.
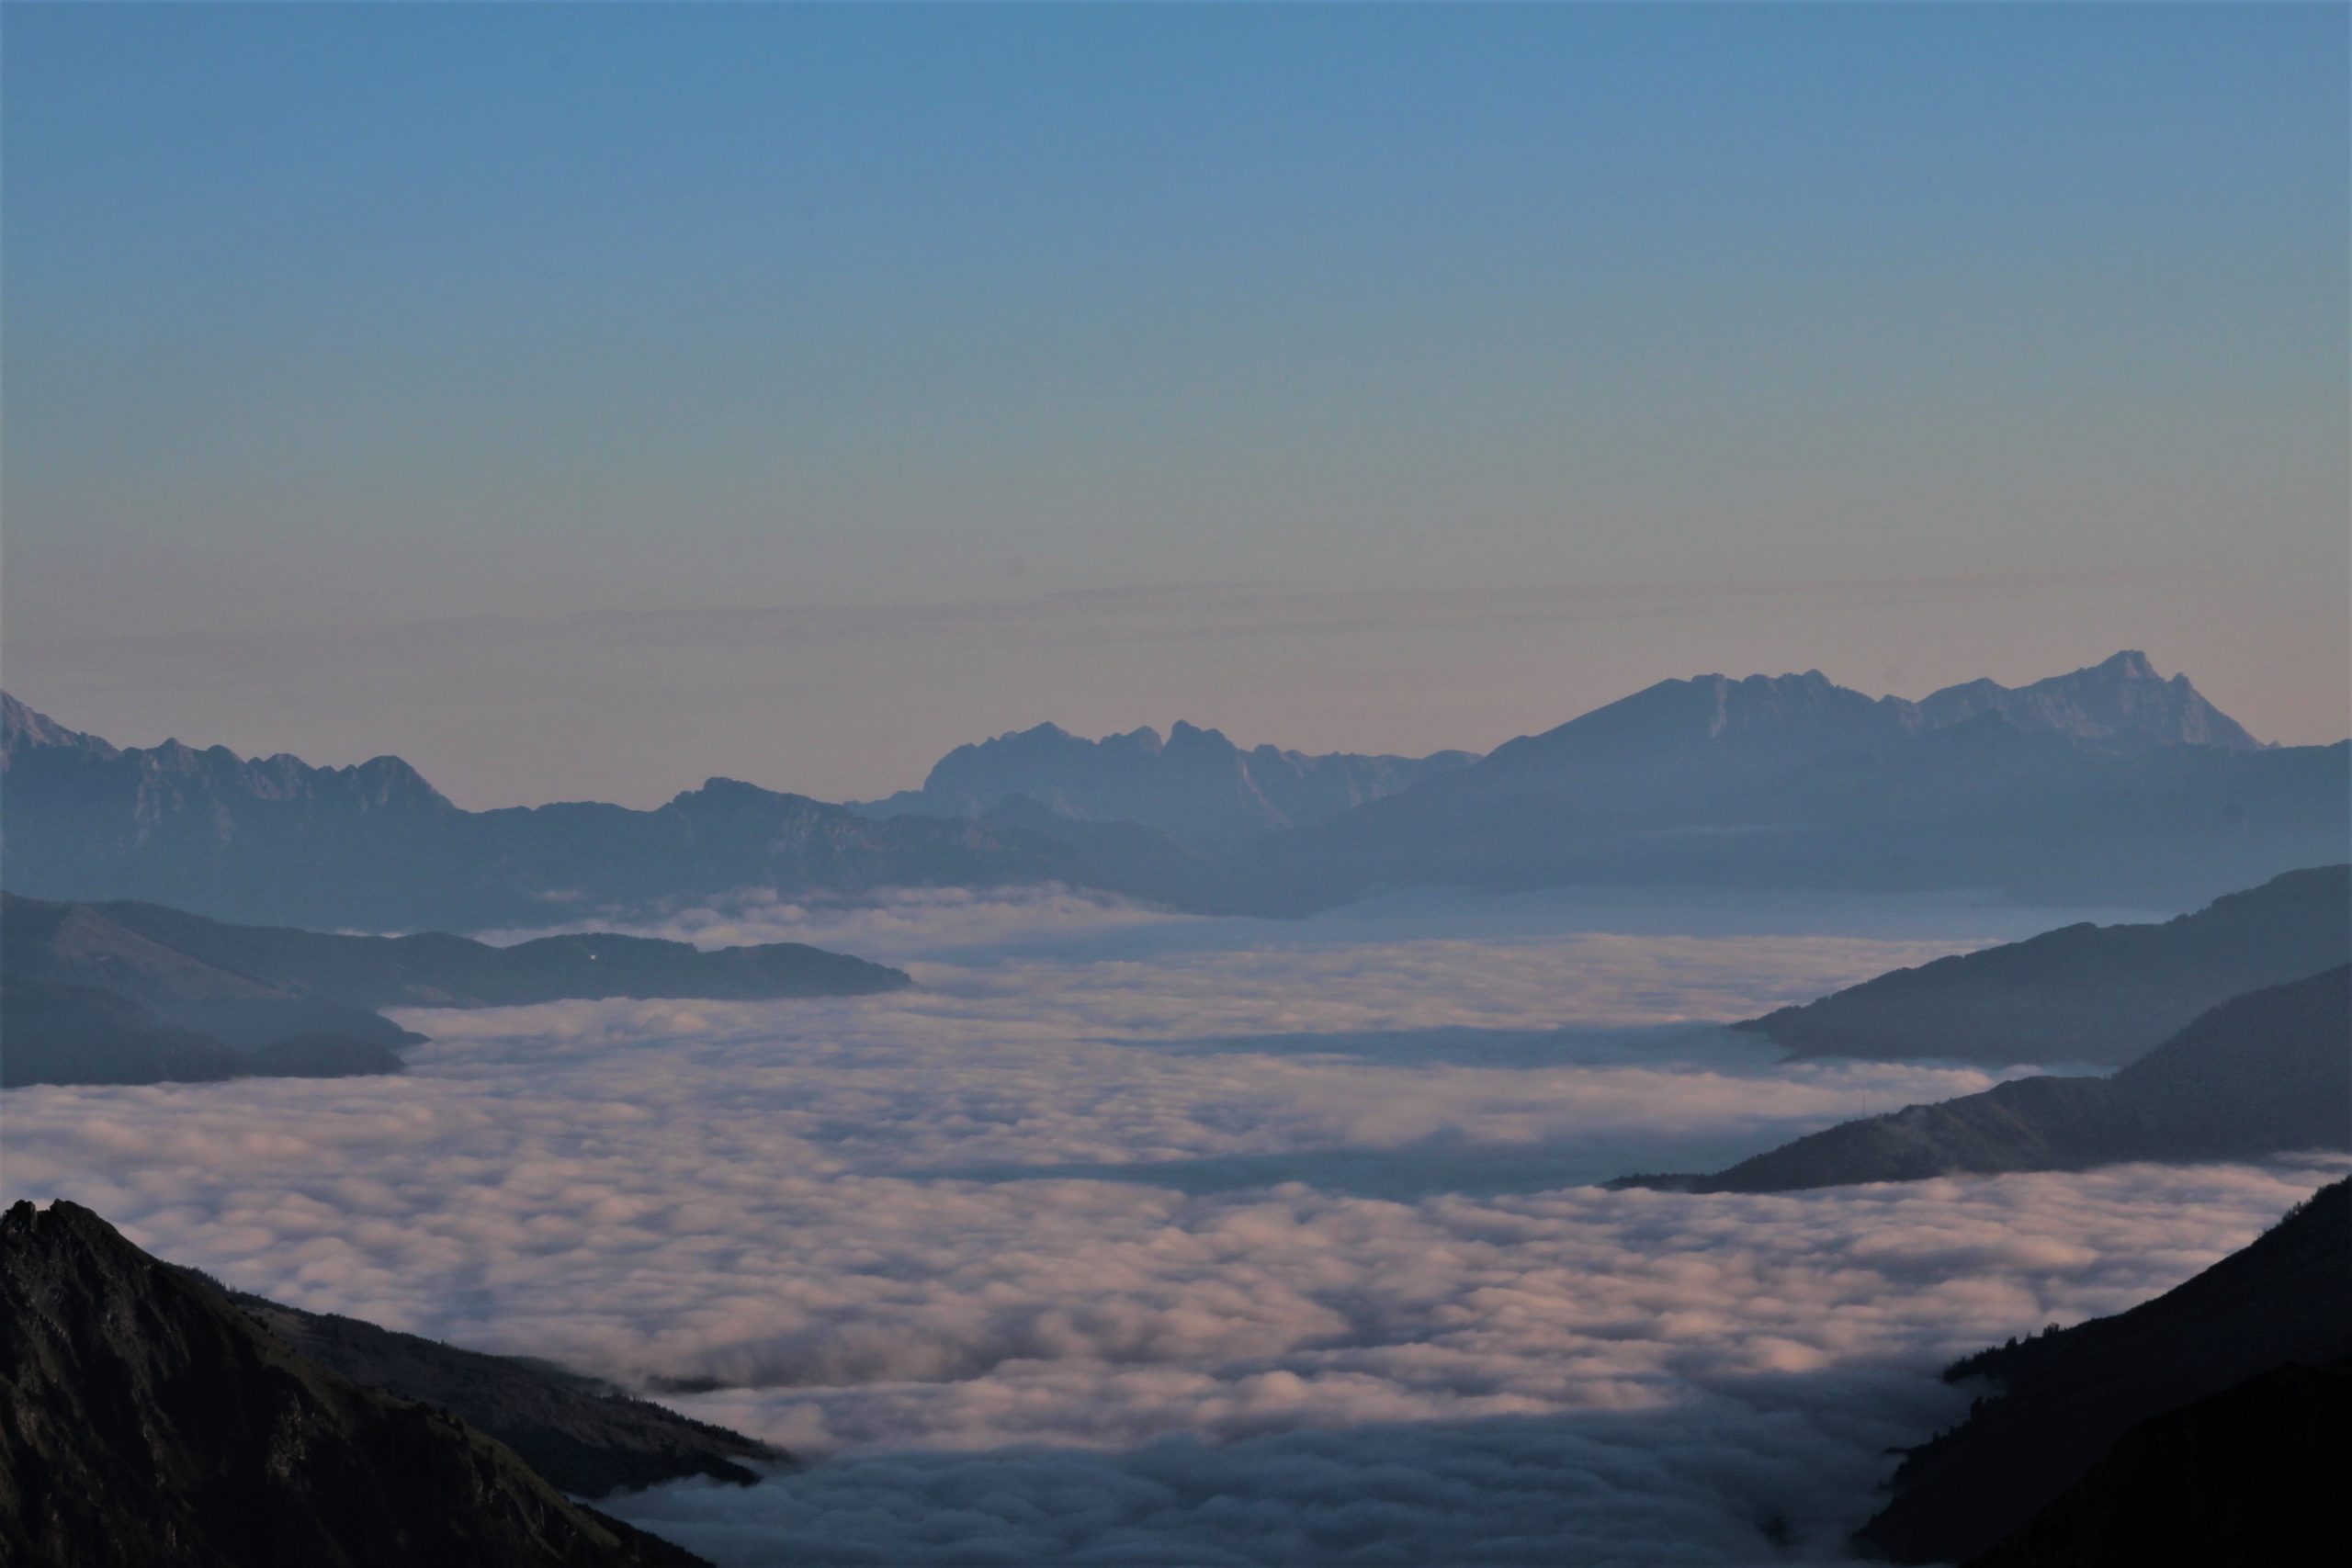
(2063, 1398)
(2252, 1477)
(141, 947)
(2263, 1074)
(2092, 788)
(585, 1437)
(136, 993)
(374, 846)
(1197, 787)
(2100, 994)
(82, 945)
(145, 1419)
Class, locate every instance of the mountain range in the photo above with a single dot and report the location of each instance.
(2059, 1402)
(2263, 1074)
(137, 992)
(145, 1419)
(1196, 787)
(2107, 785)
(2082, 993)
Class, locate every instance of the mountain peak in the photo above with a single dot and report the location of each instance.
(2120, 703)
(2131, 664)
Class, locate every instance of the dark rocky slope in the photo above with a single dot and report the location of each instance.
(2264, 1074)
(145, 1419)
(586, 1437)
(2252, 1477)
(2097, 994)
(2063, 1399)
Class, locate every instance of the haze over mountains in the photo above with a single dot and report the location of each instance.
(2108, 785)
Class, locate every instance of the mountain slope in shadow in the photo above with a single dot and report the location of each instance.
(137, 992)
(2066, 1397)
(2097, 994)
(586, 1437)
(2246, 1478)
(145, 1419)
(2264, 1074)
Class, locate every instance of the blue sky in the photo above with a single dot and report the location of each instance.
(326, 321)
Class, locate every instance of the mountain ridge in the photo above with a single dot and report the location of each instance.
(1195, 785)
(2061, 1399)
(144, 1418)
(2071, 795)
(2081, 994)
(2263, 1074)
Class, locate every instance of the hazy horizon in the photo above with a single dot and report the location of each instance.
(585, 401)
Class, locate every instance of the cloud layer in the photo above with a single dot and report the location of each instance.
(1192, 1253)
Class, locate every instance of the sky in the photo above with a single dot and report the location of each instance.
(583, 401)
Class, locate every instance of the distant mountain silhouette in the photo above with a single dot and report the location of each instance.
(587, 1438)
(2062, 1399)
(2251, 1477)
(136, 993)
(375, 846)
(2108, 785)
(2263, 1074)
(145, 1419)
(2098, 994)
(1197, 787)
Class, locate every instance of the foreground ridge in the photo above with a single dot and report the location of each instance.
(145, 1419)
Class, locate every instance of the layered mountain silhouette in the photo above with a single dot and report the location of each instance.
(1196, 787)
(2082, 993)
(2266, 1073)
(2108, 786)
(145, 1419)
(137, 992)
(2061, 1400)
(276, 840)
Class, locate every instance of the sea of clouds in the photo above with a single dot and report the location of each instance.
(1132, 1238)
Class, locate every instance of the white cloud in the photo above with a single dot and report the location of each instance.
(811, 1211)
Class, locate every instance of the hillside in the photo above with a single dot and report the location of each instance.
(136, 993)
(2263, 1074)
(2251, 1477)
(2095, 995)
(145, 1419)
(2062, 1399)
(586, 1439)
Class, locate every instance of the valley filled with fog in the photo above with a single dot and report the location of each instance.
(1185, 1239)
